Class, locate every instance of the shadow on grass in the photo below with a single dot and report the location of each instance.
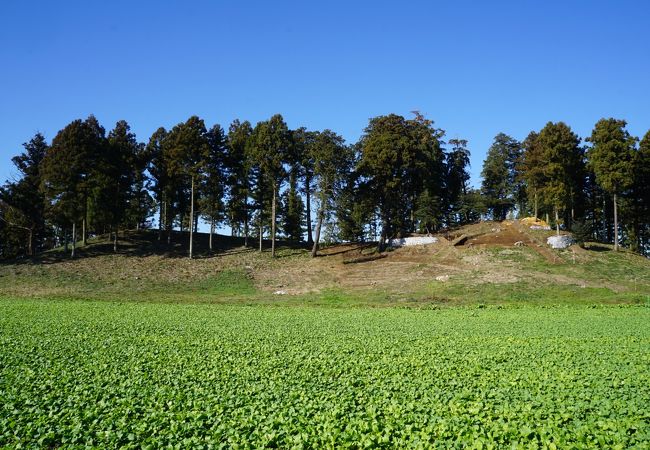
(145, 243)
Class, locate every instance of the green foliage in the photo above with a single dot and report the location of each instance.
(582, 232)
(213, 176)
(238, 170)
(636, 200)
(399, 160)
(456, 182)
(500, 186)
(293, 210)
(69, 169)
(563, 169)
(610, 155)
(22, 204)
(108, 375)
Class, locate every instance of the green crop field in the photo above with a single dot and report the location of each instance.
(101, 374)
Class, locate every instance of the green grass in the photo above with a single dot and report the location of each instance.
(147, 375)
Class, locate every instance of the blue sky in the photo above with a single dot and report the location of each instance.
(476, 68)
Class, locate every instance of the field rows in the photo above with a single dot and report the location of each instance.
(76, 374)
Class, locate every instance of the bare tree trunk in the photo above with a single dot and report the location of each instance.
(273, 223)
(74, 238)
(30, 242)
(319, 224)
(246, 224)
(615, 224)
(83, 231)
(115, 240)
(160, 218)
(382, 239)
(536, 210)
(310, 238)
(211, 232)
(605, 227)
(557, 221)
(191, 217)
(261, 235)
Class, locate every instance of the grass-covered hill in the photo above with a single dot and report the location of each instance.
(476, 264)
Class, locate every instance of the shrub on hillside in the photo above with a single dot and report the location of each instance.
(582, 232)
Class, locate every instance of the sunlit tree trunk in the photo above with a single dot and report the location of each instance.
(246, 223)
(319, 225)
(273, 222)
(161, 214)
(30, 242)
(211, 232)
(310, 238)
(191, 217)
(615, 224)
(74, 238)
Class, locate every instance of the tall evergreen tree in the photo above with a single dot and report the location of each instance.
(157, 168)
(22, 204)
(457, 178)
(563, 163)
(238, 168)
(610, 157)
(69, 174)
(187, 148)
(532, 170)
(332, 159)
(214, 179)
(638, 198)
(303, 140)
(119, 169)
(399, 160)
(500, 185)
(270, 148)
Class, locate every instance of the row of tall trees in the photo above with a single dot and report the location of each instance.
(583, 187)
(267, 180)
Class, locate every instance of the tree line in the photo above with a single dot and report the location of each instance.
(270, 181)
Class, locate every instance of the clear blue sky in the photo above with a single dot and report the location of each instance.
(475, 67)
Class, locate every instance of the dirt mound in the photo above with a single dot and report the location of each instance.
(503, 234)
(533, 221)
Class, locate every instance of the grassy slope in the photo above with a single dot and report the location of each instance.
(424, 277)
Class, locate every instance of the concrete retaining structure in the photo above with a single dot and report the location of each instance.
(409, 241)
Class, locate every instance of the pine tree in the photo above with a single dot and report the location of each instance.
(332, 159)
(532, 170)
(303, 140)
(22, 204)
(157, 168)
(563, 163)
(399, 160)
(238, 168)
(610, 157)
(500, 186)
(270, 148)
(69, 174)
(638, 197)
(456, 182)
(186, 149)
(214, 178)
